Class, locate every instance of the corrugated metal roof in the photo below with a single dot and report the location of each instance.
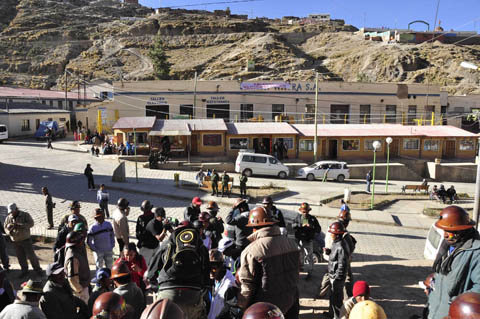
(45, 94)
(249, 128)
(30, 107)
(135, 122)
(355, 130)
(190, 125)
(170, 128)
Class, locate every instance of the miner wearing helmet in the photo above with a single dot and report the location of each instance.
(270, 266)
(337, 267)
(110, 305)
(163, 309)
(146, 242)
(120, 223)
(74, 210)
(263, 310)
(191, 212)
(215, 228)
(465, 306)
(276, 213)
(223, 280)
(238, 218)
(126, 288)
(76, 265)
(367, 309)
(456, 269)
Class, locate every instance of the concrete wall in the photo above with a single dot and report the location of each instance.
(465, 173)
(14, 122)
(396, 172)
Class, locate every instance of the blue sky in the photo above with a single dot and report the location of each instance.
(454, 14)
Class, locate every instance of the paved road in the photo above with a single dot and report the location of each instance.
(26, 166)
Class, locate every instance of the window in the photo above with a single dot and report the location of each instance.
(309, 113)
(351, 145)
(160, 112)
(288, 141)
(60, 104)
(430, 145)
(3, 128)
(62, 119)
(369, 145)
(212, 139)
(246, 111)
(37, 124)
(25, 125)
(259, 159)
(335, 166)
(186, 109)
(391, 114)
(339, 114)
(238, 143)
(51, 103)
(412, 114)
(467, 145)
(277, 109)
(248, 158)
(70, 104)
(365, 113)
(140, 137)
(272, 160)
(410, 143)
(218, 111)
(306, 145)
(44, 102)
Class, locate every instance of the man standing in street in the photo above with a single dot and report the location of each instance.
(48, 206)
(225, 181)
(26, 304)
(146, 242)
(74, 210)
(215, 180)
(102, 198)
(101, 240)
(192, 212)
(76, 265)
(88, 172)
(270, 265)
(243, 185)
(369, 179)
(238, 218)
(276, 213)
(456, 267)
(17, 225)
(120, 223)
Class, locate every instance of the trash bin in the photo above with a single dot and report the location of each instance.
(176, 178)
(346, 195)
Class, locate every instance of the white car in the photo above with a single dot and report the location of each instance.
(3, 133)
(336, 170)
(260, 164)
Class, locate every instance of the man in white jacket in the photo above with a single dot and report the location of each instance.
(120, 223)
(223, 280)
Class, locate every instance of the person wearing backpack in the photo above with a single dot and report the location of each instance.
(181, 269)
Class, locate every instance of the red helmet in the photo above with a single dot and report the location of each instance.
(304, 208)
(465, 306)
(120, 269)
(163, 309)
(454, 218)
(345, 215)
(109, 305)
(263, 310)
(260, 216)
(73, 238)
(337, 228)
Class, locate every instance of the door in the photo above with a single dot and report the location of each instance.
(393, 149)
(119, 138)
(324, 148)
(332, 149)
(266, 142)
(320, 170)
(449, 149)
(194, 144)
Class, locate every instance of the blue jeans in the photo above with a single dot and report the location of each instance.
(103, 259)
(368, 186)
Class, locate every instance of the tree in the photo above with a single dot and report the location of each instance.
(160, 60)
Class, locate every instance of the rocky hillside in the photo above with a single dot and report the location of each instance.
(109, 40)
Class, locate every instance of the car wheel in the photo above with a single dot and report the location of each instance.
(316, 258)
(247, 172)
(282, 175)
(340, 178)
(310, 177)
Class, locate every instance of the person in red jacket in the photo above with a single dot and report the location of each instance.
(136, 264)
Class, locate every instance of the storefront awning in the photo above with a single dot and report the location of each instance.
(170, 133)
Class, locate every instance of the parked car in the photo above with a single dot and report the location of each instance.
(58, 131)
(260, 164)
(338, 171)
(3, 133)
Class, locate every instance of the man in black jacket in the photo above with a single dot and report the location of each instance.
(191, 212)
(306, 228)
(59, 246)
(277, 213)
(183, 284)
(146, 248)
(238, 217)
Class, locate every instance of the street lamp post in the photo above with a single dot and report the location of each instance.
(476, 206)
(389, 140)
(376, 145)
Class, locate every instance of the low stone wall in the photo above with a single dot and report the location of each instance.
(462, 172)
(396, 172)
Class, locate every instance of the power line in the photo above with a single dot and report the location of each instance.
(213, 3)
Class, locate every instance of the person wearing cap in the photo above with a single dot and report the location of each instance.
(120, 223)
(456, 269)
(59, 246)
(238, 218)
(102, 282)
(306, 228)
(270, 265)
(222, 279)
(225, 181)
(74, 210)
(102, 199)
(231, 254)
(146, 242)
(101, 240)
(215, 179)
(215, 228)
(48, 206)
(125, 287)
(7, 295)
(76, 265)
(191, 212)
(361, 292)
(26, 304)
(58, 301)
(17, 225)
(277, 213)
(88, 172)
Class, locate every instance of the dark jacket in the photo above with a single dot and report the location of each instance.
(215, 178)
(58, 302)
(215, 231)
(277, 213)
(191, 213)
(306, 233)
(61, 237)
(165, 280)
(338, 260)
(88, 172)
(154, 228)
(97, 291)
(133, 296)
(145, 239)
(8, 296)
(240, 221)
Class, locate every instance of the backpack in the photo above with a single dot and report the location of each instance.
(182, 259)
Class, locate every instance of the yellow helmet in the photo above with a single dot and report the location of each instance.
(367, 309)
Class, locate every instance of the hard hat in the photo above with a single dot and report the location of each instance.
(146, 206)
(465, 306)
(263, 310)
(367, 309)
(304, 208)
(345, 215)
(337, 228)
(120, 269)
(454, 218)
(163, 309)
(73, 238)
(259, 216)
(109, 305)
(122, 203)
(212, 205)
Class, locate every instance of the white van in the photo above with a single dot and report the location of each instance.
(260, 164)
(3, 133)
(433, 243)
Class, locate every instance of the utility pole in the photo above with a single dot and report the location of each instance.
(477, 191)
(194, 95)
(66, 84)
(315, 141)
(136, 160)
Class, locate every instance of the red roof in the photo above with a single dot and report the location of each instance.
(249, 128)
(41, 94)
(135, 122)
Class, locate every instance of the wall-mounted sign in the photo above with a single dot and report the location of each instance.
(217, 100)
(157, 100)
(278, 86)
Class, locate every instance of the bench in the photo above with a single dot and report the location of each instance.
(207, 183)
(415, 188)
